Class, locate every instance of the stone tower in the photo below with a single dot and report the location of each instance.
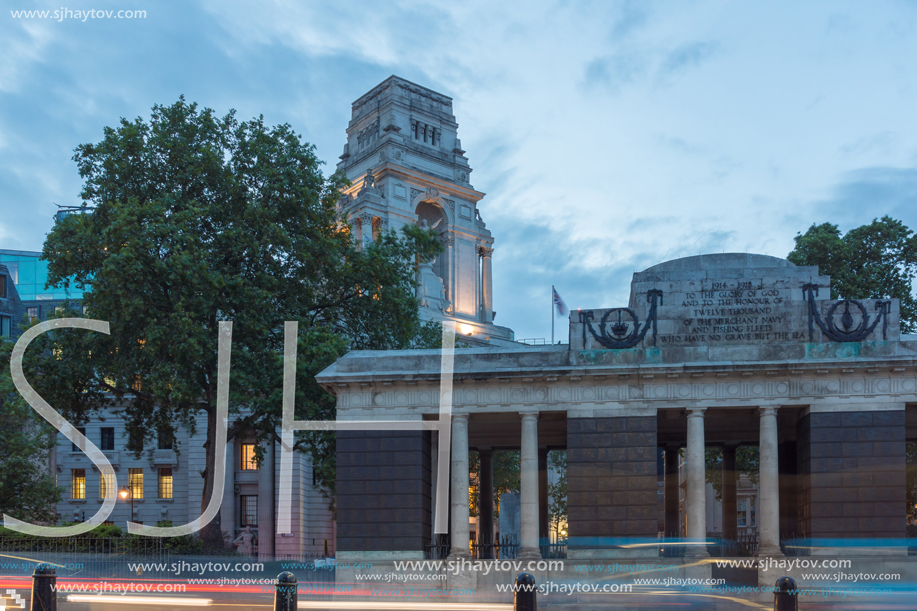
(406, 163)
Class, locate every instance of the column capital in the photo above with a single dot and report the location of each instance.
(768, 410)
(459, 417)
(529, 415)
(696, 412)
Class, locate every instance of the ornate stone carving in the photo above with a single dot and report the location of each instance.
(422, 93)
(369, 182)
(449, 241)
(432, 192)
(485, 251)
(415, 193)
(451, 203)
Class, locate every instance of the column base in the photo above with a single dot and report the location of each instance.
(459, 556)
(695, 552)
(529, 553)
(770, 551)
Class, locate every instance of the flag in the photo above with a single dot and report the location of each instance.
(562, 308)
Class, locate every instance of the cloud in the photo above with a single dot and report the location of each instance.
(686, 56)
(869, 193)
(615, 71)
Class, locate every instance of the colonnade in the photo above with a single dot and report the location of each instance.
(530, 499)
(695, 493)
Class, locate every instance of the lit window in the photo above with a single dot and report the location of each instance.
(250, 510)
(248, 457)
(136, 482)
(78, 483)
(165, 483)
(745, 511)
(108, 438)
(106, 489)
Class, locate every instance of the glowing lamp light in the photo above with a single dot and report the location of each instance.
(123, 493)
(466, 329)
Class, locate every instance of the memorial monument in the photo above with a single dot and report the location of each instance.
(725, 350)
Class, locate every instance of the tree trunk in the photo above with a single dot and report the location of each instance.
(212, 532)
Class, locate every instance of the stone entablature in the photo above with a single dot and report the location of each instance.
(540, 380)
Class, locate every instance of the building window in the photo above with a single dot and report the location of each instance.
(248, 457)
(250, 510)
(106, 489)
(136, 482)
(165, 483)
(73, 446)
(745, 506)
(135, 440)
(165, 439)
(32, 313)
(6, 326)
(3, 286)
(108, 438)
(78, 484)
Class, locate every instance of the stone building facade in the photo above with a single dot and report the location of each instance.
(164, 483)
(406, 162)
(722, 350)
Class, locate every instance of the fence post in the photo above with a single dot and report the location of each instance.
(44, 598)
(785, 598)
(524, 595)
(285, 592)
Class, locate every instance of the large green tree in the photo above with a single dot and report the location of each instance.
(199, 219)
(27, 490)
(878, 261)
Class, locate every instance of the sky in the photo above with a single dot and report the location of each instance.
(608, 136)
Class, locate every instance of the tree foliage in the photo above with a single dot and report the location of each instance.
(878, 261)
(557, 491)
(27, 491)
(506, 477)
(200, 219)
(746, 464)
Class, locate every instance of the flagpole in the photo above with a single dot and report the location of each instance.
(552, 314)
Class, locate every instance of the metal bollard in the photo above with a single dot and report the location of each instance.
(524, 596)
(44, 598)
(785, 598)
(285, 592)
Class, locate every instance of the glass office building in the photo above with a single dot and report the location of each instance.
(29, 274)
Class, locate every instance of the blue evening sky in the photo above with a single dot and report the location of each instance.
(608, 135)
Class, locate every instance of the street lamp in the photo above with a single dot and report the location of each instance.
(124, 494)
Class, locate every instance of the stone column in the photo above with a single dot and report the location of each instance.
(459, 530)
(769, 485)
(448, 256)
(228, 508)
(671, 492)
(696, 488)
(544, 534)
(434, 479)
(528, 468)
(729, 493)
(487, 284)
(266, 503)
(486, 502)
